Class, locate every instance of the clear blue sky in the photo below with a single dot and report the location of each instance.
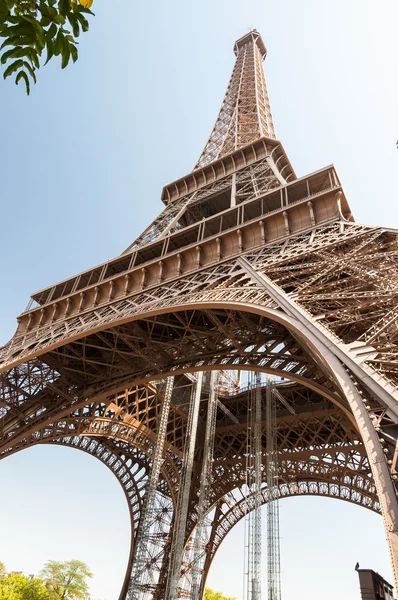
(83, 162)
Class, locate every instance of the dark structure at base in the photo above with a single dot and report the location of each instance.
(373, 586)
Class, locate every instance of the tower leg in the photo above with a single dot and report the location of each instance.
(180, 521)
(378, 464)
(147, 551)
(333, 357)
(200, 543)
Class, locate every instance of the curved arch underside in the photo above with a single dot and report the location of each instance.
(317, 444)
(92, 369)
(336, 475)
(131, 466)
(235, 505)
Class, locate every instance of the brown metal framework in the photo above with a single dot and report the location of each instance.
(246, 269)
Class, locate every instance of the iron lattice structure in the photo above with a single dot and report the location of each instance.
(246, 268)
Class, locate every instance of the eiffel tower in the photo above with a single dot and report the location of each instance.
(246, 269)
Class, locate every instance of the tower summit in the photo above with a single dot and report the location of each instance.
(245, 114)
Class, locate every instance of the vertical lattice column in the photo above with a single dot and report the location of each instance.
(252, 578)
(273, 547)
(183, 496)
(142, 582)
(263, 103)
(200, 540)
(249, 467)
(258, 455)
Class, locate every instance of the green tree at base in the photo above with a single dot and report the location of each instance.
(16, 586)
(212, 595)
(67, 580)
(58, 581)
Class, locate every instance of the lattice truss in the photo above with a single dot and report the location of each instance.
(219, 281)
(249, 183)
(34, 391)
(352, 289)
(245, 114)
(319, 448)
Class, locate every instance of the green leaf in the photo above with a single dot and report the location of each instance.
(17, 52)
(23, 75)
(85, 10)
(51, 31)
(58, 44)
(25, 27)
(31, 71)
(59, 19)
(16, 41)
(45, 21)
(12, 18)
(64, 6)
(20, 52)
(73, 52)
(47, 9)
(74, 24)
(9, 54)
(12, 68)
(50, 50)
(83, 22)
(65, 56)
(3, 10)
(40, 40)
(34, 58)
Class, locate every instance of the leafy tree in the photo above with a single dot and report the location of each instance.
(31, 26)
(212, 595)
(66, 580)
(16, 586)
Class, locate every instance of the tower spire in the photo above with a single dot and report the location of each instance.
(245, 113)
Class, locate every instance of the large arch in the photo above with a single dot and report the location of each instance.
(116, 442)
(131, 472)
(130, 464)
(234, 506)
(316, 352)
